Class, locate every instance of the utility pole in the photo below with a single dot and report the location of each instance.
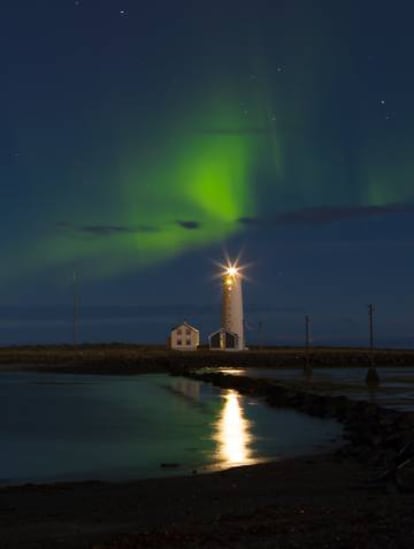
(371, 309)
(372, 377)
(260, 330)
(75, 309)
(307, 344)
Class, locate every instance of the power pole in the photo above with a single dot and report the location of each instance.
(371, 310)
(75, 310)
(307, 344)
(372, 378)
(260, 329)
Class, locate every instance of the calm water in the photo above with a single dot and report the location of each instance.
(396, 389)
(66, 427)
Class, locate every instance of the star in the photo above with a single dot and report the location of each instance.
(123, 13)
(382, 101)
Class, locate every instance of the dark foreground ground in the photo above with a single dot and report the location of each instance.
(319, 501)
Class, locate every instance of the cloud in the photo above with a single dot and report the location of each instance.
(321, 215)
(324, 215)
(249, 220)
(15, 315)
(247, 130)
(265, 308)
(190, 225)
(105, 230)
(62, 314)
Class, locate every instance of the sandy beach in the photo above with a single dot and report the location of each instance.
(319, 501)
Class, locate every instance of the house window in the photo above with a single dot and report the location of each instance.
(188, 331)
(179, 331)
(179, 342)
(188, 341)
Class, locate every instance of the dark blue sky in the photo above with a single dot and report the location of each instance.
(140, 141)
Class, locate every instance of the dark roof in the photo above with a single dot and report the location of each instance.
(223, 331)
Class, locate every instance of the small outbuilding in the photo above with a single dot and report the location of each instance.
(184, 337)
(223, 340)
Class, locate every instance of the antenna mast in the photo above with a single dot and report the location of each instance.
(75, 310)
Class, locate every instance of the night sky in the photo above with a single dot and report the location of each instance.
(142, 141)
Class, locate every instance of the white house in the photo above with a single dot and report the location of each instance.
(184, 337)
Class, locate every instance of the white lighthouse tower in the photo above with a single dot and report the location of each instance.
(230, 337)
(232, 313)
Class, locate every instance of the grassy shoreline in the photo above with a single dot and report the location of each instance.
(133, 359)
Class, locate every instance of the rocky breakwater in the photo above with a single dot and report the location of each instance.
(381, 438)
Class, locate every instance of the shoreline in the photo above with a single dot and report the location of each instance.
(73, 515)
(322, 500)
(135, 359)
(351, 497)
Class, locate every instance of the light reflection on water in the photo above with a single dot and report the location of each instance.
(234, 432)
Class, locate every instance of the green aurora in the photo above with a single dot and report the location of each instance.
(272, 122)
(185, 190)
(195, 179)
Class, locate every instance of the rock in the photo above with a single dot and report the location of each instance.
(405, 476)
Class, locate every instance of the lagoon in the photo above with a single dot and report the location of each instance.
(66, 427)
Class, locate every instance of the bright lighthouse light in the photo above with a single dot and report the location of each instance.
(232, 271)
